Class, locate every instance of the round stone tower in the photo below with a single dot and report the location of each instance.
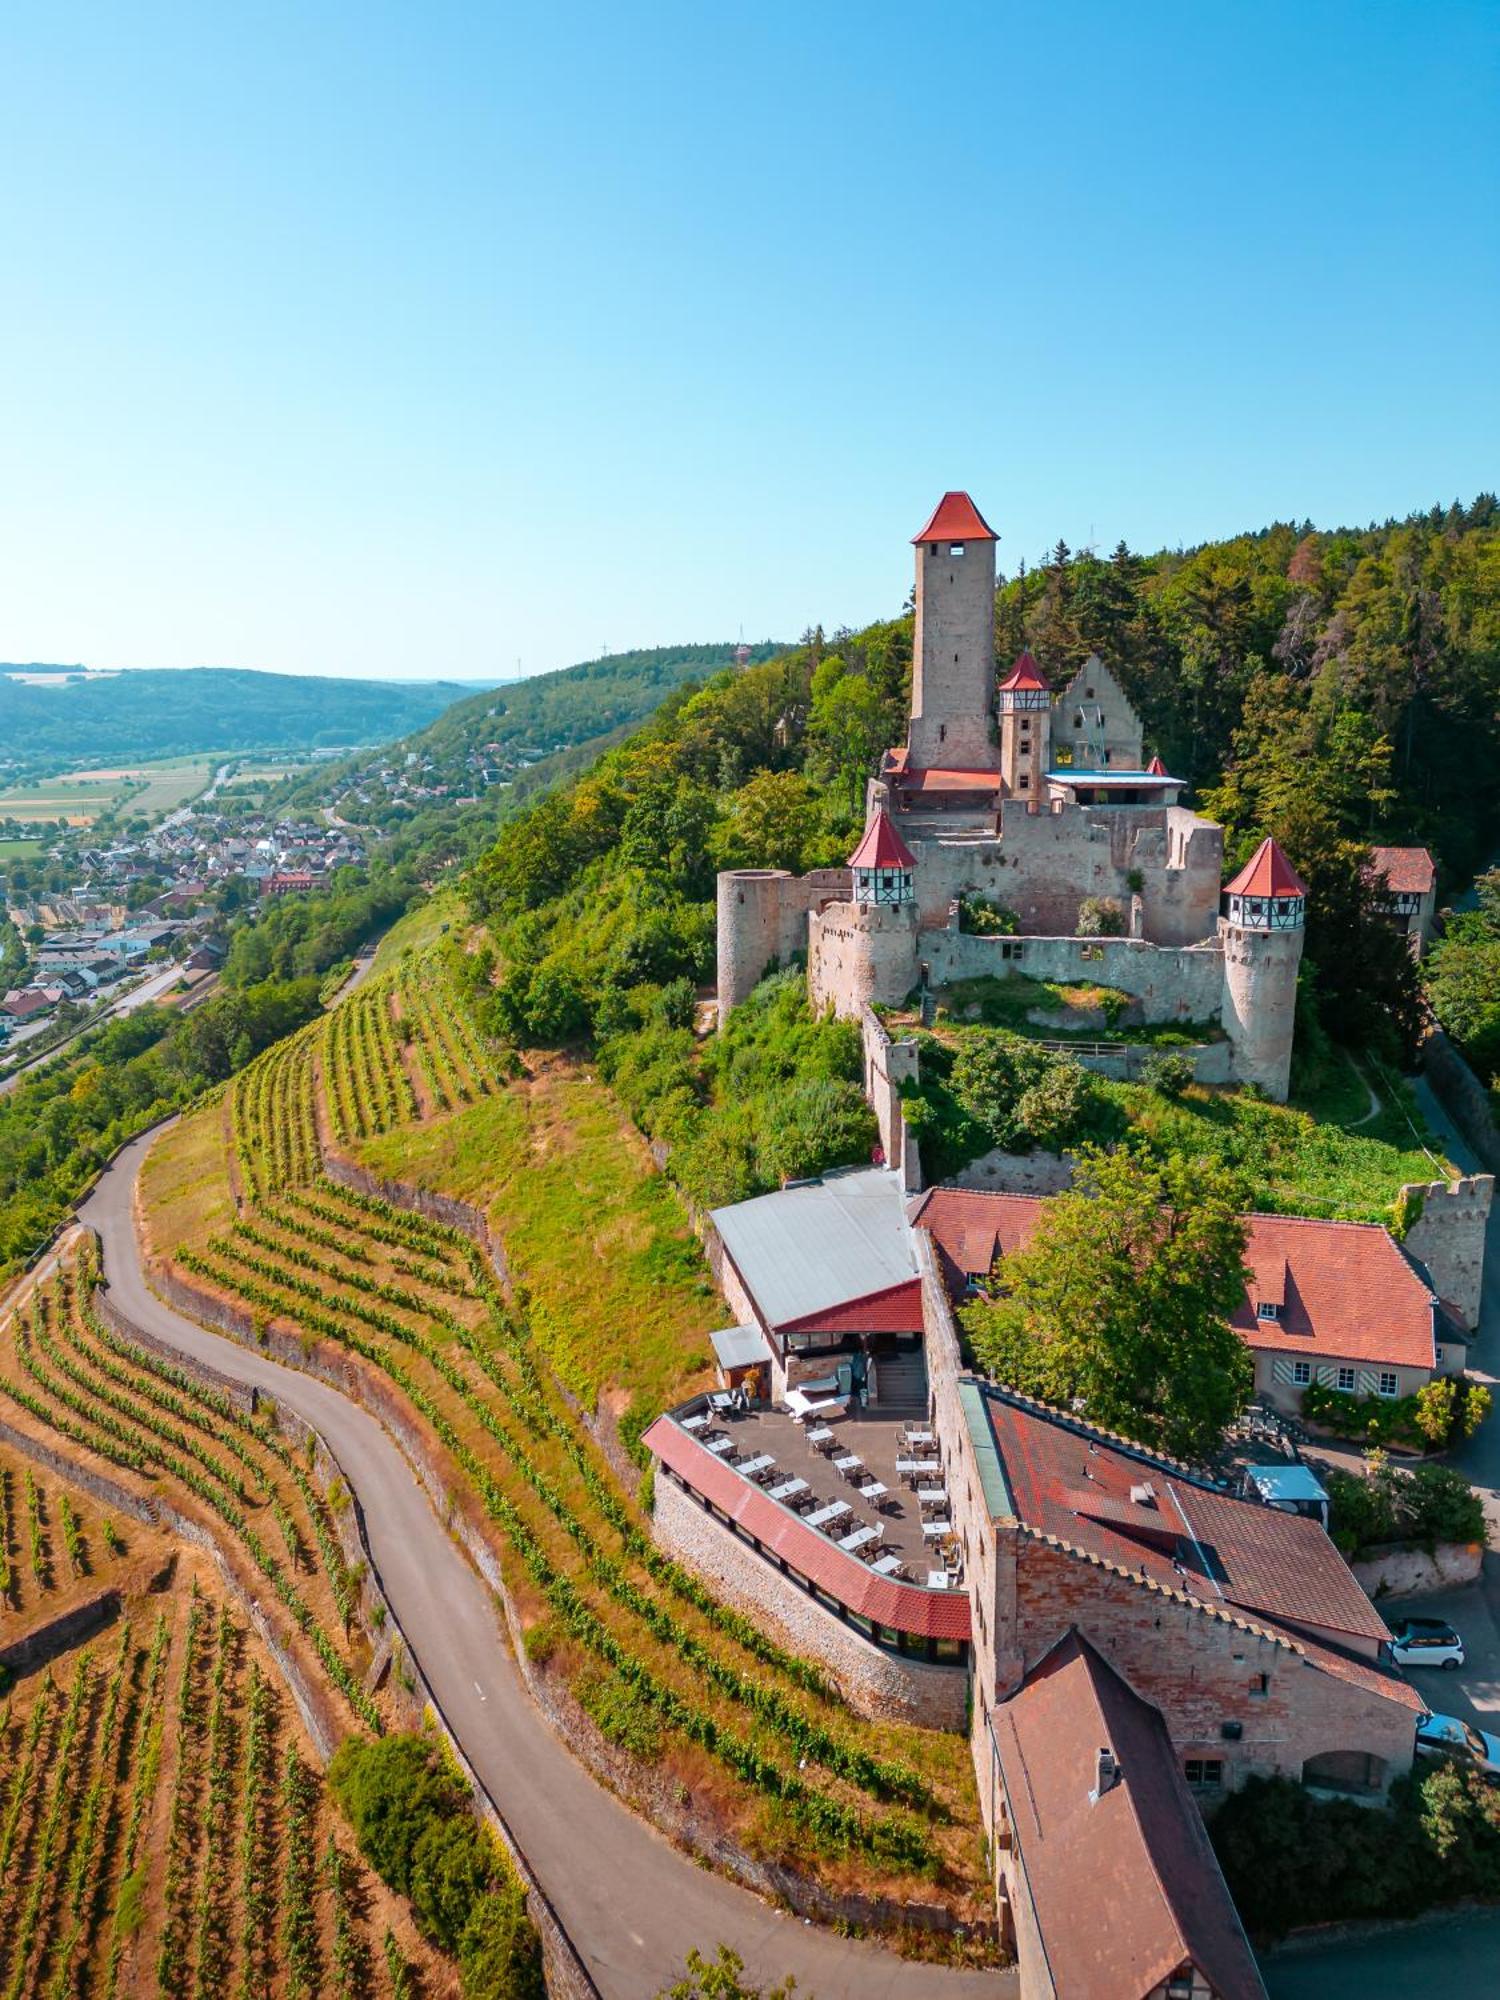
(1261, 932)
(751, 925)
(1025, 730)
(866, 949)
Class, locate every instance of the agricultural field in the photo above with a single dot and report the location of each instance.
(164, 1828)
(56, 1545)
(695, 1692)
(81, 797)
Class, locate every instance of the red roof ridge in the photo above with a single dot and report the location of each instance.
(955, 518)
(1068, 1420)
(1267, 873)
(881, 846)
(1024, 673)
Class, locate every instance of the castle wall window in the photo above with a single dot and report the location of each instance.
(1204, 1773)
(955, 548)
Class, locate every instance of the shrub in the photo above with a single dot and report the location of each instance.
(984, 919)
(1425, 1505)
(1166, 1073)
(452, 1867)
(390, 1790)
(500, 1955)
(1100, 916)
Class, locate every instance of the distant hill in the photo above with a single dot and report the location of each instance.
(103, 719)
(502, 743)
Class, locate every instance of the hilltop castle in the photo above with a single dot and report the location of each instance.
(1036, 802)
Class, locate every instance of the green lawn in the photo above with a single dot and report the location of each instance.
(85, 795)
(422, 926)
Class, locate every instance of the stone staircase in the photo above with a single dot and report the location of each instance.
(900, 1384)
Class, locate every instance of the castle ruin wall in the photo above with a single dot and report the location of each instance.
(1172, 983)
(762, 916)
(1448, 1238)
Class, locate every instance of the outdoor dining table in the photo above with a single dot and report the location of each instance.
(933, 1496)
(699, 1423)
(913, 1469)
(720, 1400)
(831, 1512)
(920, 1437)
(859, 1538)
(847, 1463)
(761, 1463)
(718, 1446)
(788, 1489)
(936, 1531)
(887, 1566)
(873, 1489)
(937, 1579)
(819, 1437)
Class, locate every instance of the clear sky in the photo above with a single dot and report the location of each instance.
(421, 340)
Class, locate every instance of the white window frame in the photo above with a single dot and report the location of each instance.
(1346, 1388)
(1388, 1375)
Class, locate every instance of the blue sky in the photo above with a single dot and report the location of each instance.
(426, 339)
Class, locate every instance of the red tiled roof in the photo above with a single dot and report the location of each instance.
(1125, 1886)
(897, 1309)
(1267, 873)
(1408, 871)
(956, 519)
(939, 780)
(930, 1614)
(1156, 768)
(970, 1228)
(1024, 674)
(1347, 1292)
(881, 846)
(1076, 1484)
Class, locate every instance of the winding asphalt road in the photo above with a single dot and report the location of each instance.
(631, 1903)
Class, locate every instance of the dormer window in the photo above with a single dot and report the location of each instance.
(1267, 1309)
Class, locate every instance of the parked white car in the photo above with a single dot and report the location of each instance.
(1426, 1642)
(1450, 1736)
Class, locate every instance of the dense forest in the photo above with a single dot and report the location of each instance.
(159, 713)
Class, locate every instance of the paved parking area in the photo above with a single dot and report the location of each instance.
(1472, 1690)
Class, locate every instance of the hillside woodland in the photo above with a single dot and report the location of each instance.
(154, 712)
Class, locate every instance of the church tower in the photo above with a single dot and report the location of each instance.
(1261, 933)
(953, 661)
(1025, 730)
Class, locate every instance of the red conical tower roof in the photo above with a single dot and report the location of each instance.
(1267, 873)
(956, 519)
(1156, 768)
(1024, 674)
(882, 846)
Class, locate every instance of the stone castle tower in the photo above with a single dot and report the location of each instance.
(1025, 729)
(1261, 933)
(866, 948)
(953, 653)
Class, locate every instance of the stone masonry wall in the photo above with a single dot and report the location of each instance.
(859, 952)
(873, 1681)
(887, 1066)
(1172, 983)
(1200, 1670)
(1448, 1237)
(762, 915)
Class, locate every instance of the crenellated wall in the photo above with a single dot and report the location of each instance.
(1448, 1237)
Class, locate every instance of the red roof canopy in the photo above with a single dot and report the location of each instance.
(882, 846)
(956, 519)
(1024, 674)
(1156, 768)
(1267, 873)
(930, 1614)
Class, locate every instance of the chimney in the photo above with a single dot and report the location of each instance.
(1143, 1495)
(1109, 1775)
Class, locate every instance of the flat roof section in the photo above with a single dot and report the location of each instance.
(809, 1248)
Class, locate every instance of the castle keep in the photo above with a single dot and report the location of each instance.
(1037, 802)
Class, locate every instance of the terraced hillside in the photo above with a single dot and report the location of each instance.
(683, 1696)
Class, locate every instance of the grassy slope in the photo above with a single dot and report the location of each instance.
(615, 1280)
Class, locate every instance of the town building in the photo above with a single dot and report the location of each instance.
(1042, 803)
